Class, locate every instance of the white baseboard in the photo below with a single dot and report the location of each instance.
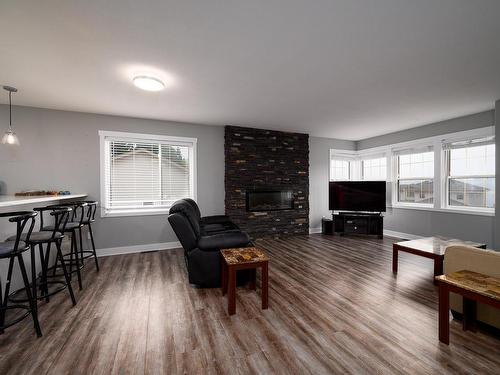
(314, 230)
(137, 248)
(406, 236)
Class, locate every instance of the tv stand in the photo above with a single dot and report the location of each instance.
(358, 223)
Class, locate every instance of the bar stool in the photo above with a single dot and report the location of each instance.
(61, 216)
(71, 227)
(25, 221)
(87, 221)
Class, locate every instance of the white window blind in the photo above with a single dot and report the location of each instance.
(142, 174)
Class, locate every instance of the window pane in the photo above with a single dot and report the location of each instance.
(375, 169)
(339, 170)
(416, 165)
(416, 191)
(472, 161)
(145, 175)
(472, 192)
(175, 180)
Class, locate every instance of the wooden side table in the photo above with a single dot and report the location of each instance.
(248, 258)
(473, 287)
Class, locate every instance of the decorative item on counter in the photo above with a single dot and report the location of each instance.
(37, 193)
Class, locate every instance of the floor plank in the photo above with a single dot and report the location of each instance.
(335, 307)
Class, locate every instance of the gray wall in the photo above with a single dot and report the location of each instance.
(319, 164)
(478, 120)
(427, 223)
(60, 150)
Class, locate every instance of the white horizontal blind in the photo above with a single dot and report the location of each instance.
(142, 174)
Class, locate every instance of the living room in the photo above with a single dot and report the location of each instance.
(286, 187)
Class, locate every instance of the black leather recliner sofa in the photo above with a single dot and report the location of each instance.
(202, 238)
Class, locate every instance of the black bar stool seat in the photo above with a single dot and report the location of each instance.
(6, 248)
(39, 237)
(70, 226)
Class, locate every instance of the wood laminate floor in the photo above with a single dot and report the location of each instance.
(335, 307)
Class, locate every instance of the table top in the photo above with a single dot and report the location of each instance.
(12, 200)
(435, 245)
(485, 285)
(243, 255)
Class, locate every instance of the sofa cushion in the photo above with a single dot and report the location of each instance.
(223, 241)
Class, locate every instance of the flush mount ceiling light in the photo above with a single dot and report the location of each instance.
(10, 138)
(148, 83)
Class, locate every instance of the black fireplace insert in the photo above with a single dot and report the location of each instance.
(269, 200)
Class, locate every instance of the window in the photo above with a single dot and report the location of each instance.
(415, 176)
(470, 177)
(144, 174)
(374, 169)
(340, 170)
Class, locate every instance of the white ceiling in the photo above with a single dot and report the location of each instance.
(346, 69)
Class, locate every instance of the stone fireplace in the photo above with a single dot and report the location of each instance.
(267, 181)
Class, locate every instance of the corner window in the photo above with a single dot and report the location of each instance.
(144, 174)
(340, 170)
(470, 174)
(374, 169)
(415, 177)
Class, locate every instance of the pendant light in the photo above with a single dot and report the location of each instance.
(10, 138)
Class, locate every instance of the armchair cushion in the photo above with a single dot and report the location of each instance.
(223, 241)
(215, 219)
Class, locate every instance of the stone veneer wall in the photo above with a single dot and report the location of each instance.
(259, 159)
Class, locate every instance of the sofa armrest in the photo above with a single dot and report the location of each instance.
(216, 219)
(223, 241)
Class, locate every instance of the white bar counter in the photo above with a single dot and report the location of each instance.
(11, 200)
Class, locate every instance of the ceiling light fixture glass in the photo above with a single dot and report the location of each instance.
(10, 138)
(148, 83)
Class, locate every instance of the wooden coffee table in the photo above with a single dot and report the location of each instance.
(243, 259)
(473, 287)
(429, 247)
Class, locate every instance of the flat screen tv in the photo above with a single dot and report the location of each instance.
(357, 196)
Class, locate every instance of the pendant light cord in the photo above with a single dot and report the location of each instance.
(10, 110)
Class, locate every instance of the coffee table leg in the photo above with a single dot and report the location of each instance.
(444, 314)
(394, 260)
(265, 288)
(231, 293)
(469, 315)
(438, 268)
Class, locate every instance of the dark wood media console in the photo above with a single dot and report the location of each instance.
(358, 223)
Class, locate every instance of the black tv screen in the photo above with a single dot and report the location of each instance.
(357, 196)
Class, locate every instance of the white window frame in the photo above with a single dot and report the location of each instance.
(395, 181)
(129, 137)
(350, 156)
(445, 178)
(362, 156)
(440, 197)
